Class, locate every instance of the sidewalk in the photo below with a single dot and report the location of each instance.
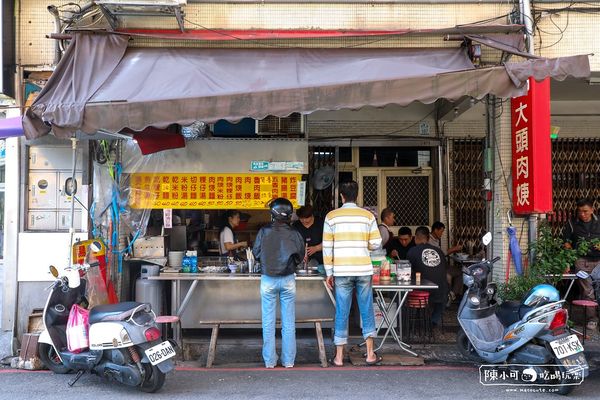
(246, 351)
(244, 347)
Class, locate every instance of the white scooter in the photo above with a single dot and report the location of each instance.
(125, 342)
(532, 332)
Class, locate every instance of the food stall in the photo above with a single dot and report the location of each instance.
(196, 179)
(119, 87)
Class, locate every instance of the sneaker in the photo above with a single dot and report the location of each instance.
(288, 366)
(592, 325)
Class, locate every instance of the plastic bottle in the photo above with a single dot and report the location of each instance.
(186, 266)
(393, 268)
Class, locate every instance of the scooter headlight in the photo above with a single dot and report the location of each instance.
(474, 300)
(468, 280)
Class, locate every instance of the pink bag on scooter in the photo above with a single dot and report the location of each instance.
(77, 329)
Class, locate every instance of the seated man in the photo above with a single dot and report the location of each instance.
(401, 244)
(454, 273)
(431, 263)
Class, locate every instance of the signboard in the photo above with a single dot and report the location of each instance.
(211, 191)
(531, 150)
(273, 166)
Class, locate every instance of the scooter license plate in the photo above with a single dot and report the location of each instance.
(567, 346)
(160, 352)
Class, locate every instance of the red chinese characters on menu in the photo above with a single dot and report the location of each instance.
(210, 190)
(531, 150)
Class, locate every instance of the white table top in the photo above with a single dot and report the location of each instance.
(394, 285)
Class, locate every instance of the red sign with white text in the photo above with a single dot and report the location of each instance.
(531, 150)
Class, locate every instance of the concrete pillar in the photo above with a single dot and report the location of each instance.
(502, 197)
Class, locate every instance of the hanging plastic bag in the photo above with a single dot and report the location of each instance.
(97, 294)
(77, 329)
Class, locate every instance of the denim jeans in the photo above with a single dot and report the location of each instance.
(344, 286)
(284, 289)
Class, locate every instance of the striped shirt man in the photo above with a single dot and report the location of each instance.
(349, 233)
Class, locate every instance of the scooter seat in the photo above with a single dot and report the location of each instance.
(114, 312)
(510, 312)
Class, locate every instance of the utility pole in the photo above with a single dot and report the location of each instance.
(527, 21)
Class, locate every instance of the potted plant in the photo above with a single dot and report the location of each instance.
(552, 260)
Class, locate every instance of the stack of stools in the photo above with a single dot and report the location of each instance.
(417, 316)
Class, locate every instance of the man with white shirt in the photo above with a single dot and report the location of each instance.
(349, 234)
(387, 220)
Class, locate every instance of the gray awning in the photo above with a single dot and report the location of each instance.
(102, 84)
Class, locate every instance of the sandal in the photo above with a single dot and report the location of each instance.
(378, 360)
(333, 364)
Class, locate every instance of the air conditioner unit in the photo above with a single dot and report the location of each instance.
(113, 9)
(293, 124)
(142, 3)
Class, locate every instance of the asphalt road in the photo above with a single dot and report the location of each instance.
(428, 382)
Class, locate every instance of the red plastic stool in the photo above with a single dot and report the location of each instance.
(585, 304)
(417, 319)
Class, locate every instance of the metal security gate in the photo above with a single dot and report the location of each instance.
(575, 175)
(466, 202)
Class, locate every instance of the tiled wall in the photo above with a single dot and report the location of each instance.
(580, 36)
(34, 22)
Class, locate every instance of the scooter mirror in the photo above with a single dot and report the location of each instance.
(582, 275)
(487, 238)
(95, 246)
(53, 271)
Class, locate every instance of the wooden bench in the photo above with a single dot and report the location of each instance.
(215, 325)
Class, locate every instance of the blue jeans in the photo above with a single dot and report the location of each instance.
(344, 285)
(284, 289)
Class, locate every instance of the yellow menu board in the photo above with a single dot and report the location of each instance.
(211, 191)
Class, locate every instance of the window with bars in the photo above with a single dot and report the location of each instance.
(272, 125)
(369, 190)
(408, 194)
(575, 174)
(409, 197)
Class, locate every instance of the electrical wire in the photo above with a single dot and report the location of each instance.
(499, 155)
(94, 23)
(378, 40)
(411, 125)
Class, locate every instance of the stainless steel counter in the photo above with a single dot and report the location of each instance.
(224, 277)
(231, 297)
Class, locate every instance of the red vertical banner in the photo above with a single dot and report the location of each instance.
(531, 150)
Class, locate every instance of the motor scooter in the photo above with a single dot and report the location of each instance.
(125, 343)
(531, 333)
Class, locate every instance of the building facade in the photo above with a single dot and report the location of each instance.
(425, 160)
